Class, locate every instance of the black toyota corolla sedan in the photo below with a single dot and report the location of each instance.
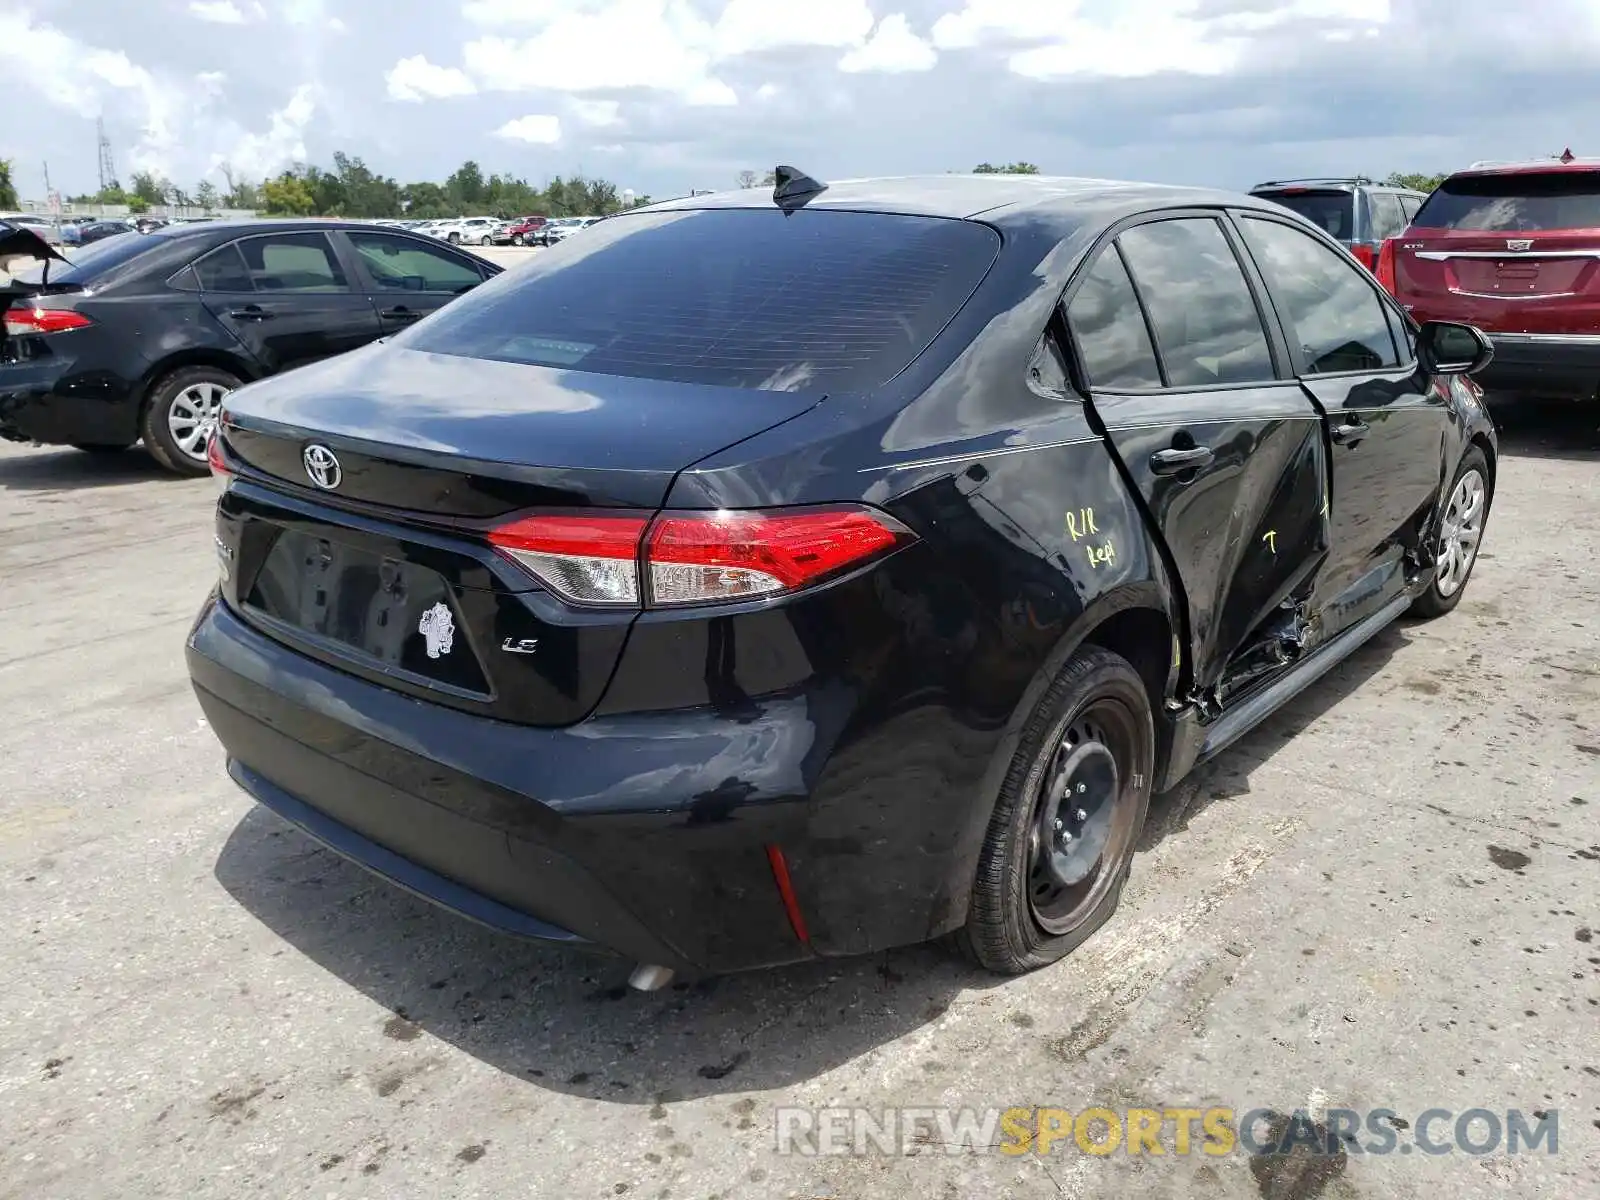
(140, 336)
(760, 577)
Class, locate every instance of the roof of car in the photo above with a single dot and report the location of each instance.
(968, 195)
(260, 225)
(1540, 166)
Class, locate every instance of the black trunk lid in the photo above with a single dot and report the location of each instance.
(388, 574)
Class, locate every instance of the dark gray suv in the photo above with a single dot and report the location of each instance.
(1355, 211)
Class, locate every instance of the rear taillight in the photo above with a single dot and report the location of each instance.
(24, 320)
(1385, 268)
(1365, 254)
(695, 557)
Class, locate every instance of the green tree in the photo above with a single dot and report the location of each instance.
(205, 195)
(241, 192)
(1419, 183)
(288, 195)
(466, 186)
(150, 188)
(8, 190)
(1016, 168)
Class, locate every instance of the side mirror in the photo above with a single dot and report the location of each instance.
(1450, 348)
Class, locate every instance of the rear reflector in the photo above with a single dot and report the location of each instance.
(695, 557)
(219, 467)
(20, 322)
(584, 559)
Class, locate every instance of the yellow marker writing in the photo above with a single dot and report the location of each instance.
(1081, 524)
(1270, 537)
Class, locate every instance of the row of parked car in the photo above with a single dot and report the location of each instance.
(531, 230)
(1512, 248)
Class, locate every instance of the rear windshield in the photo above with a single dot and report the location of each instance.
(1332, 210)
(1514, 203)
(88, 261)
(741, 298)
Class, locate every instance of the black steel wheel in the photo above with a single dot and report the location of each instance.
(1064, 828)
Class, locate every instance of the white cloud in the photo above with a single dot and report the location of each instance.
(711, 93)
(597, 114)
(747, 25)
(226, 12)
(892, 48)
(659, 44)
(416, 78)
(767, 91)
(1135, 37)
(538, 127)
(260, 154)
(499, 13)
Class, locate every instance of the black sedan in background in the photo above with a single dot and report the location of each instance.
(751, 579)
(141, 335)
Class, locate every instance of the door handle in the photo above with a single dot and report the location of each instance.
(250, 312)
(1350, 433)
(1176, 462)
(399, 314)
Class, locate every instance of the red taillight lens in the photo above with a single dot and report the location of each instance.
(695, 557)
(1385, 268)
(584, 559)
(221, 473)
(1364, 254)
(23, 321)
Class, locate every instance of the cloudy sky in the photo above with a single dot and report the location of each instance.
(668, 95)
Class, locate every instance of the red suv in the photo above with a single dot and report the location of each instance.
(1515, 250)
(522, 230)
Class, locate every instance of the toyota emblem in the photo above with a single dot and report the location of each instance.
(322, 467)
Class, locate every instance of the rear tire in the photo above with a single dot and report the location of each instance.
(517, 239)
(1460, 535)
(1062, 835)
(183, 405)
(486, 240)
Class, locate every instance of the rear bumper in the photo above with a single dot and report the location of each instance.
(56, 400)
(623, 834)
(1553, 365)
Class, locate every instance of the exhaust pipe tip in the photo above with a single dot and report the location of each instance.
(647, 977)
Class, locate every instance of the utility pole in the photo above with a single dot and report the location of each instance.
(108, 172)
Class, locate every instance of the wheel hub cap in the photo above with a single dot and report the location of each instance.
(1075, 821)
(192, 417)
(1461, 531)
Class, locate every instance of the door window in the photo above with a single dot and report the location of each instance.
(293, 262)
(1113, 342)
(1409, 206)
(1388, 220)
(401, 264)
(1207, 328)
(1330, 308)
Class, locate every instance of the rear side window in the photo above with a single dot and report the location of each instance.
(1330, 209)
(1409, 205)
(1329, 306)
(1527, 203)
(1387, 218)
(1205, 320)
(1105, 319)
(741, 298)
